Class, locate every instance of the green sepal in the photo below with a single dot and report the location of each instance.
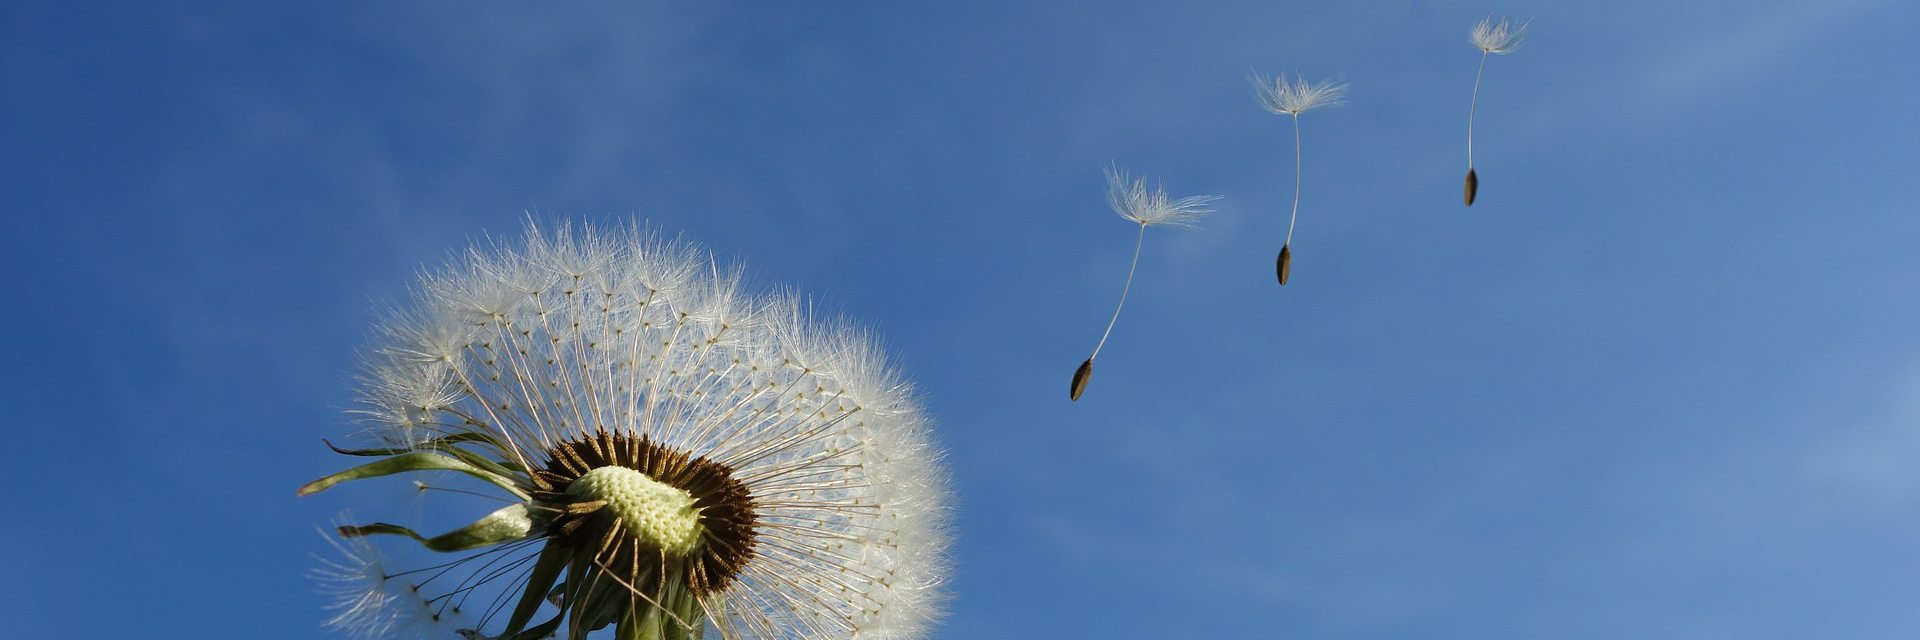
(639, 626)
(539, 584)
(414, 461)
(678, 599)
(505, 525)
(645, 621)
(590, 596)
(445, 444)
(433, 444)
(572, 592)
(475, 459)
(603, 602)
(379, 528)
(690, 610)
(543, 630)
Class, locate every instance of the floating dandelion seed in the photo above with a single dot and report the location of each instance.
(1497, 37)
(1131, 198)
(679, 458)
(1492, 37)
(1292, 98)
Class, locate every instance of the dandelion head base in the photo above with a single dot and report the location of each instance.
(654, 513)
(643, 505)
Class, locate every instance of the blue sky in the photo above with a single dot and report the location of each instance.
(1661, 381)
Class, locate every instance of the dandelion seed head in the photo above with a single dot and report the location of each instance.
(674, 433)
(1281, 96)
(1500, 36)
(1130, 197)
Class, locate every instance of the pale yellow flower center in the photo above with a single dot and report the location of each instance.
(656, 513)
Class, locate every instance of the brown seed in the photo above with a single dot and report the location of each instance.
(1473, 186)
(1284, 266)
(1080, 379)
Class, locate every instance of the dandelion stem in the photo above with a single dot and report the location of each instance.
(1296, 179)
(1474, 105)
(1123, 292)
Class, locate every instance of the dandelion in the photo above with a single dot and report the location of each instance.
(1280, 96)
(1130, 198)
(678, 458)
(1492, 37)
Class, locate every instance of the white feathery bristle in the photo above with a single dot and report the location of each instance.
(1500, 36)
(1281, 96)
(1130, 197)
(368, 603)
